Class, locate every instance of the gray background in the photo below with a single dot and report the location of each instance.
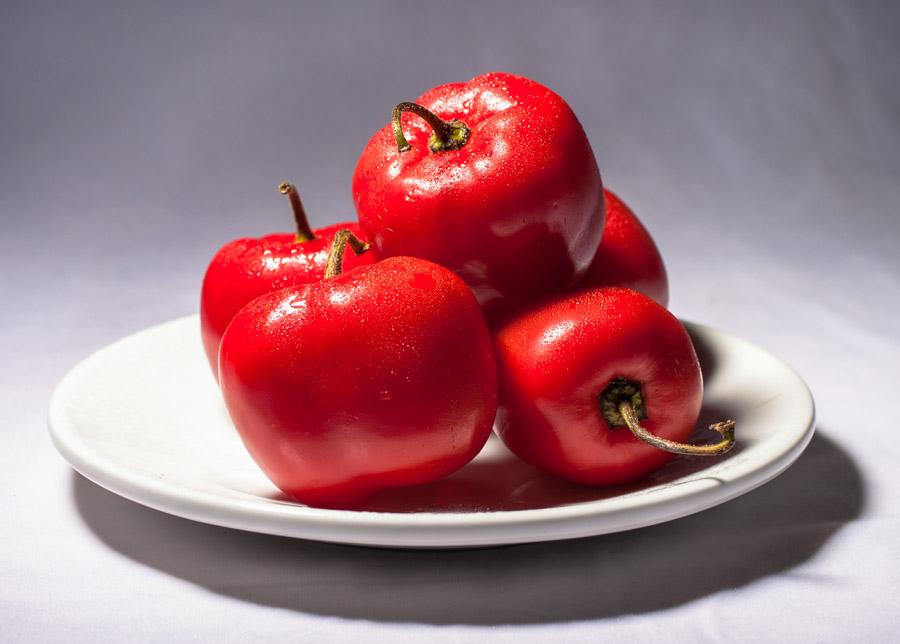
(760, 143)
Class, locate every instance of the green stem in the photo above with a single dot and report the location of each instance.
(335, 262)
(622, 404)
(304, 232)
(725, 428)
(447, 135)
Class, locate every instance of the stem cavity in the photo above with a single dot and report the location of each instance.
(335, 261)
(304, 232)
(621, 403)
(446, 135)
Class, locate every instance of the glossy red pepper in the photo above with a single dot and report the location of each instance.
(493, 179)
(380, 377)
(244, 269)
(627, 255)
(572, 370)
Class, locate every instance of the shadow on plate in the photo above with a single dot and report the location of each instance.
(706, 355)
(499, 481)
(769, 530)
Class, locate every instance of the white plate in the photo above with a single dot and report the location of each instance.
(144, 419)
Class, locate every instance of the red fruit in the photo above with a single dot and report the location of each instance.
(244, 269)
(627, 255)
(566, 367)
(493, 179)
(383, 376)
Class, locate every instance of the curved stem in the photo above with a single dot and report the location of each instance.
(447, 135)
(304, 232)
(725, 428)
(335, 262)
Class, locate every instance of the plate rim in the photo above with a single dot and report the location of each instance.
(387, 529)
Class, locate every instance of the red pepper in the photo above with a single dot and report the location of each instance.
(627, 255)
(599, 387)
(379, 377)
(244, 269)
(493, 179)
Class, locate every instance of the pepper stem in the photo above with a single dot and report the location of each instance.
(335, 262)
(725, 428)
(304, 232)
(447, 135)
(622, 404)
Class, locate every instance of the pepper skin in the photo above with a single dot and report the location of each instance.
(627, 255)
(244, 269)
(516, 210)
(380, 377)
(555, 362)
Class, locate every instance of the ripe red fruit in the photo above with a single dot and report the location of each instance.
(494, 179)
(244, 269)
(380, 377)
(578, 372)
(627, 255)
